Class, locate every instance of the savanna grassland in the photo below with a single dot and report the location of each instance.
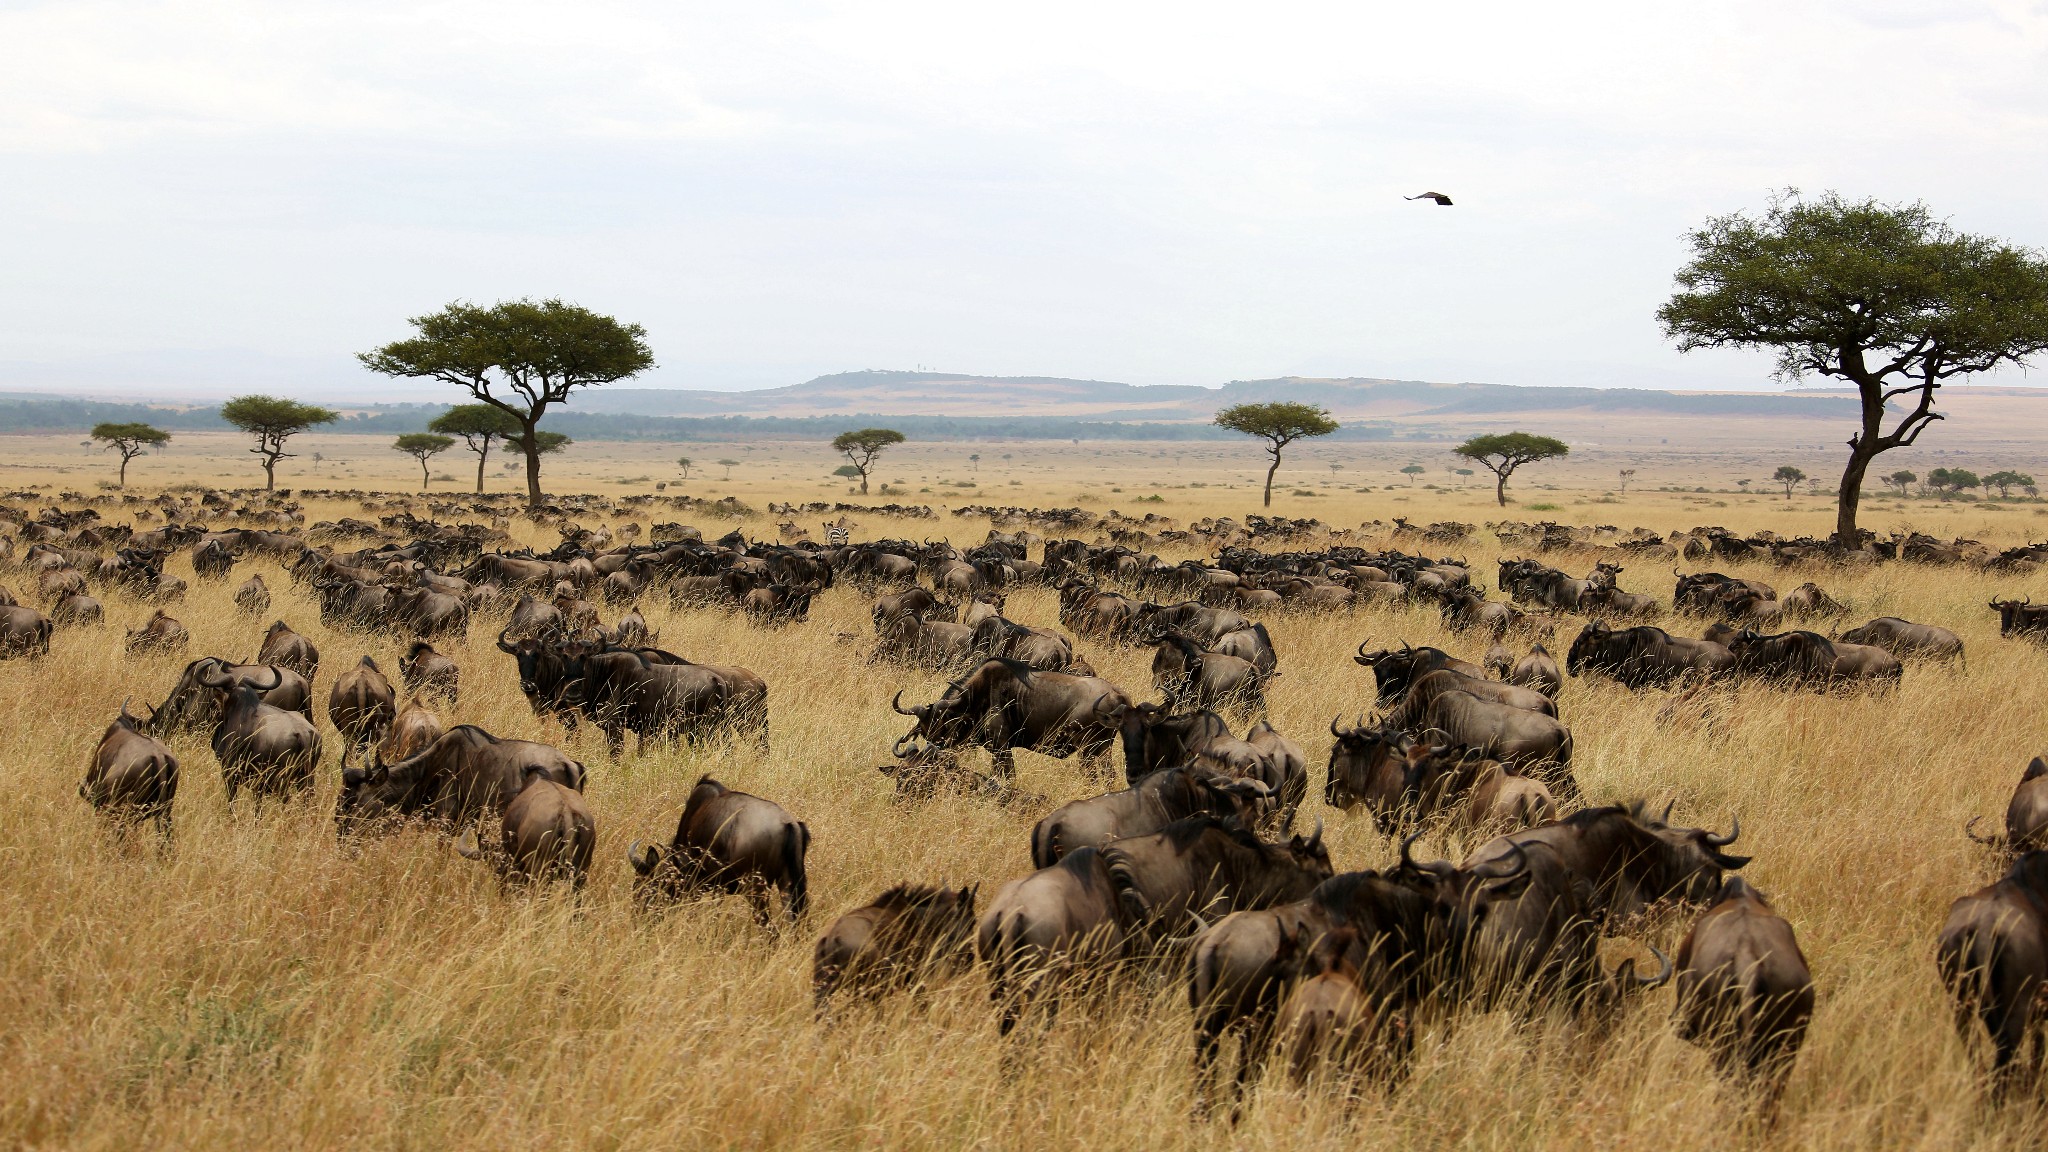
(258, 985)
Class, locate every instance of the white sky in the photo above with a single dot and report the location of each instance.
(1170, 193)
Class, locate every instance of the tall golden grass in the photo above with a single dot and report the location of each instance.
(258, 985)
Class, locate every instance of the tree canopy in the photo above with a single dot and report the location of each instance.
(1884, 296)
(1789, 477)
(1279, 423)
(2006, 480)
(273, 420)
(423, 446)
(478, 425)
(862, 446)
(1503, 452)
(130, 440)
(520, 357)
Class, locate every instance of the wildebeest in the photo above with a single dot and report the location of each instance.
(1251, 644)
(1266, 756)
(912, 639)
(1041, 648)
(270, 751)
(908, 935)
(1204, 866)
(1155, 801)
(2026, 814)
(1467, 609)
(1368, 767)
(778, 603)
(1905, 638)
(23, 632)
(426, 612)
(1539, 745)
(546, 833)
(1811, 659)
(1700, 593)
(78, 611)
(732, 842)
(160, 633)
(1644, 656)
(1004, 705)
(288, 649)
(131, 776)
(624, 690)
(212, 560)
(2021, 617)
(253, 597)
(1155, 739)
(1426, 688)
(191, 705)
(1993, 956)
(1475, 792)
(1189, 677)
(1537, 670)
(1330, 1018)
(464, 774)
(534, 618)
(412, 733)
(426, 672)
(362, 705)
(1394, 670)
(1810, 600)
(1745, 993)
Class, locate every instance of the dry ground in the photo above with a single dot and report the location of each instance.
(257, 986)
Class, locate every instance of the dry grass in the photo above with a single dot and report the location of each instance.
(257, 986)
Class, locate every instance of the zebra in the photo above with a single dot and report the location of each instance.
(836, 536)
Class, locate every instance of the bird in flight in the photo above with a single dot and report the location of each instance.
(1442, 201)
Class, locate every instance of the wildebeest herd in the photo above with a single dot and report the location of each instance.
(1198, 869)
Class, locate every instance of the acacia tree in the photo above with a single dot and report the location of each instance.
(1503, 452)
(478, 425)
(423, 446)
(130, 440)
(1279, 424)
(2007, 480)
(273, 420)
(861, 448)
(684, 463)
(1788, 476)
(1883, 296)
(520, 357)
(1900, 480)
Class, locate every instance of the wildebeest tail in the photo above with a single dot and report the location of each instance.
(1136, 908)
(1045, 845)
(796, 842)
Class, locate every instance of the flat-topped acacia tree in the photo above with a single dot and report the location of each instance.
(273, 420)
(520, 357)
(130, 440)
(1883, 296)
(1279, 424)
(478, 425)
(1503, 452)
(423, 446)
(862, 446)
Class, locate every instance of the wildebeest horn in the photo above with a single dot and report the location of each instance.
(1734, 831)
(1316, 837)
(1333, 726)
(1969, 830)
(897, 751)
(1407, 844)
(642, 856)
(1497, 869)
(1361, 647)
(467, 847)
(124, 707)
(1668, 806)
(896, 703)
(502, 646)
(1663, 975)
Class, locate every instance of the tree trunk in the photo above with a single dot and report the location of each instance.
(270, 473)
(1851, 495)
(531, 446)
(482, 455)
(863, 481)
(124, 471)
(423, 473)
(1269, 477)
(1500, 488)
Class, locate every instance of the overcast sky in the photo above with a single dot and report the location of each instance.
(1171, 193)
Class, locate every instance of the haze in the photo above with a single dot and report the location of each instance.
(197, 197)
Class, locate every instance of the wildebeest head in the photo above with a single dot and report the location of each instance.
(1692, 867)
(1364, 766)
(1590, 645)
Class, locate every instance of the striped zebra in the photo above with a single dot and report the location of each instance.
(836, 536)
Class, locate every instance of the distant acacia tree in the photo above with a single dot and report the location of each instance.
(130, 440)
(728, 466)
(1503, 452)
(1901, 479)
(1411, 472)
(478, 425)
(862, 446)
(520, 357)
(1884, 296)
(684, 462)
(1953, 479)
(423, 446)
(2005, 481)
(1789, 477)
(273, 420)
(1627, 474)
(1279, 424)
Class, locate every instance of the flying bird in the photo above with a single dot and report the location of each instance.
(1442, 201)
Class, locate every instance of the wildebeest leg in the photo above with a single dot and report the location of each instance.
(1209, 1030)
(1006, 766)
(1251, 1060)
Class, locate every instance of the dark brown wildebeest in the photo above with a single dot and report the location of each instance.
(78, 611)
(934, 644)
(160, 633)
(1266, 756)
(361, 705)
(1993, 956)
(1155, 740)
(1368, 766)
(1468, 608)
(1207, 625)
(212, 561)
(1537, 671)
(1809, 600)
(1748, 607)
(534, 618)
(907, 937)
(1537, 744)
(1700, 593)
(1745, 993)
(1155, 801)
(412, 733)
(1329, 1019)
(253, 597)
(270, 751)
(191, 705)
(1046, 927)
(2026, 814)
(57, 583)
(664, 696)
(1251, 644)
(1426, 688)
(1204, 866)
(426, 672)
(1905, 638)
(1644, 656)
(427, 612)
(546, 833)
(632, 631)
(2021, 617)
(1810, 659)
(461, 776)
(131, 777)
(287, 649)
(730, 842)
(1004, 705)
(1475, 793)
(1394, 670)
(778, 603)
(920, 600)
(1189, 677)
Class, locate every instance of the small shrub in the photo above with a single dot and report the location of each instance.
(1544, 507)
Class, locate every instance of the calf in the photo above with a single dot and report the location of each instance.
(546, 834)
(161, 633)
(907, 936)
(132, 776)
(731, 842)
